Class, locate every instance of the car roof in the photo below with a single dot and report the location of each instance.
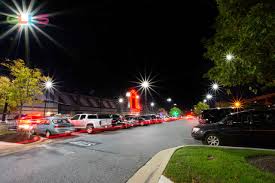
(85, 114)
(252, 110)
(55, 117)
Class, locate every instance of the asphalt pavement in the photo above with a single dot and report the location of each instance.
(108, 157)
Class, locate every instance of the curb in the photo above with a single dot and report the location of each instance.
(164, 179)
(23, 147)
(153, 169)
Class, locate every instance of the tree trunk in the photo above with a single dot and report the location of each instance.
(5, 110)
(21, 108)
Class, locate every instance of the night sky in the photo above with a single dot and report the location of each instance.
(106, 44)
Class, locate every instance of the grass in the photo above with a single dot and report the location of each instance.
(6, 132)
(211, 165)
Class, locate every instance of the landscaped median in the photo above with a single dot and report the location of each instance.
(208, 164)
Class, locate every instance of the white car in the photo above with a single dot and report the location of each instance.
(90, 122)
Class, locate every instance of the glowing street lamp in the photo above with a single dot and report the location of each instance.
(152, 104)
(204, 101)
(175, 104)
(215, 86)
(145, 84)
(24, 19)
(229, 57)
(209, 96)
(120, 100)
(169, 100)
(128, 94)
(49, 86)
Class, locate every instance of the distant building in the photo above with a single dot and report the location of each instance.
(70, 103)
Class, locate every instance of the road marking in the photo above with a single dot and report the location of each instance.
(83, 143)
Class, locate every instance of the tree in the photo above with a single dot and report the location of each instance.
(200, 107)
(175, 112)
(244, 29)
(5, 88)
(26, 84)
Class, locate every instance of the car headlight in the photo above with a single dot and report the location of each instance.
(195, 130)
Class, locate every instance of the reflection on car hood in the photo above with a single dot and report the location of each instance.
(209, 126)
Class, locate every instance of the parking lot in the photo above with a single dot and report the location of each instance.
(111, 156)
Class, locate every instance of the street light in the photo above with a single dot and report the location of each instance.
(175, 104)
(229, 57)
(120, 100)
(169, 100)
(24, 19)
(204, 101)
(128, 94)
(48, 85)
(145, 84)
(209, 96)
(215, 86)
(152, 104)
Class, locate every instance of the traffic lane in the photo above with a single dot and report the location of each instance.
(113, 157)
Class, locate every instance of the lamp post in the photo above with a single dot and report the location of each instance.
(121, 101)
(145, 85)
(48, 86)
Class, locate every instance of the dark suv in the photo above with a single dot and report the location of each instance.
(214, 115)
(244, 127)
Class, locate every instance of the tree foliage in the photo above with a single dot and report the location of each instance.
(200, 107)
(245, 29)
(175, 112)
(5, 89)
(25, 85)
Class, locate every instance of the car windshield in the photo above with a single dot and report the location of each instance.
(58, 121)
(146, 117)
(104, 116)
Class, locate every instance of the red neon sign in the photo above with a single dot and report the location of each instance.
(134, 101)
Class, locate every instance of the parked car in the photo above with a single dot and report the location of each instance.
(116, 119)
(27, 122)
(239, 128)
(144, 120)
(53, 126)
(214, 115)
(90, 122)
(130, 121)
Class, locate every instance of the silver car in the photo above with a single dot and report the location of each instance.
(54, 126)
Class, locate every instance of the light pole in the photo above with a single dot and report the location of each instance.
(121, 101)
(145, 85)
(48, 86)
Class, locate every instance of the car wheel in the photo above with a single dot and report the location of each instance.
(212, 140)
(48, 134)
(90, 129)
